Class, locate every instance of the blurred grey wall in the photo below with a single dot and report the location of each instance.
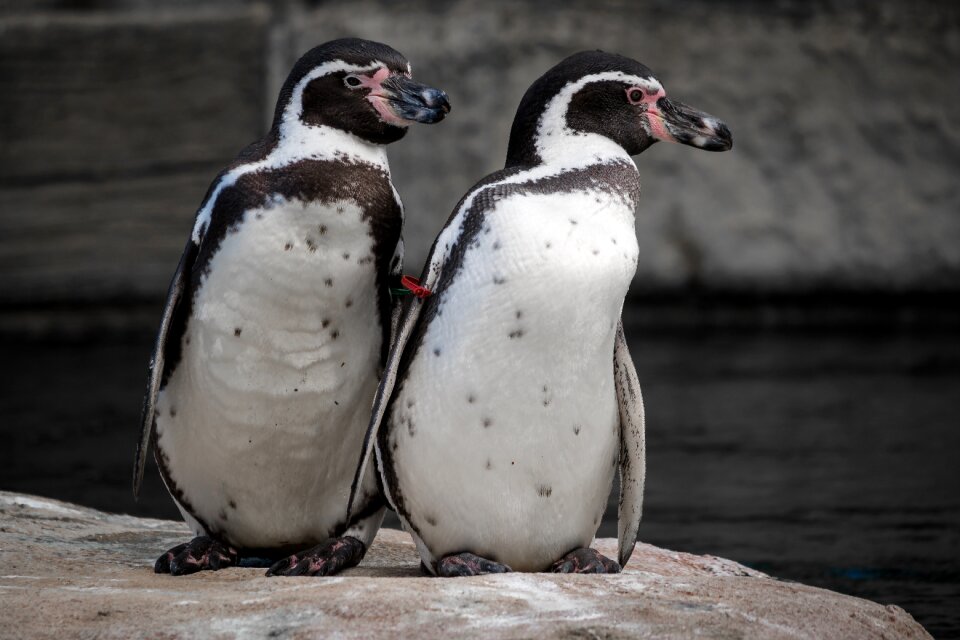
(845, 173)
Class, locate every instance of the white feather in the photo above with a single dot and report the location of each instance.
(267, 408)
(523, 351)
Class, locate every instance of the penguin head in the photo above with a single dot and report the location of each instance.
(359, 86)
(594, 93)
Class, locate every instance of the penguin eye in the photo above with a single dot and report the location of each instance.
(635, 96)
(352, 81)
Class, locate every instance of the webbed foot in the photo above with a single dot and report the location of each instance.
(200, 554)
(585, 560)
(325, 559)
(468, 564)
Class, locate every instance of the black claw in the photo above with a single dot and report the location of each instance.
(184, 566)
(280, 567)
(493, 567)
(328, 558)
(585, 560)
(201, 553)
(468, 564)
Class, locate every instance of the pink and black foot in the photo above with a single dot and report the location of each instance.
(200, 554)
(585, 560)
(468, 564)
(326, 559)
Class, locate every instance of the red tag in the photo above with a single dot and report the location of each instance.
(412, 285)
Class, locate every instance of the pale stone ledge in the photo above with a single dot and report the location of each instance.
(69, 571)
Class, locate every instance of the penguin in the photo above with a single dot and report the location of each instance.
(510, 398)
(278, 321)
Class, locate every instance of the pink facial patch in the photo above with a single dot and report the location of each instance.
(654, 118)
(376, 97)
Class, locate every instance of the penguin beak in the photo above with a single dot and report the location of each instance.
(673, 121)
(401, 101)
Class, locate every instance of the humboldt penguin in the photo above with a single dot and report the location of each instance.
(278, 321)
(510, 399)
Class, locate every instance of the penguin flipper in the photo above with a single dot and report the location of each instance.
(400, 336)
(165, 337)
(382, 398)
(633, 463)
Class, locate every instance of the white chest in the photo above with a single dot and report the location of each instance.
(511, 398)
(261, 421)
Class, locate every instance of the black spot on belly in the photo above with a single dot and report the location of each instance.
(436, 351)
(518, 333)
(287, 247)
(186, 340)
(519, 314)
(325, 323)
(328, 282)
(576, 429)
(572, 221)
(237, 331)
(499, 279)
(487, 422)
(544, 490)
(409, 403)
(295, 389)
(489, 465)
(614, 241)
(471, 399)
(322, 229)
(431, 520)
(496, 245)
(596, 252)
(334, 334)
(339, 209)
(549, 244)
(173, 412)
(346, 255)
(259, 216)
(233, 504)
(348, 303)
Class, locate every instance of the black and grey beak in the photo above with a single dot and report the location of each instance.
(411, 101)
(674, 121)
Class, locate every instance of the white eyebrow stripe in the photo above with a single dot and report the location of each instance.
(553, 122)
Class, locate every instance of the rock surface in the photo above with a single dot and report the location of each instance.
(70, 571)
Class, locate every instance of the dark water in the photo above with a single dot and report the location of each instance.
(826, 458)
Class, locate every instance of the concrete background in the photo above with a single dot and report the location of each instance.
(115, 115)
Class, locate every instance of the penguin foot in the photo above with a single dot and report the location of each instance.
(326, 559)
(585, 560)
(468, 564)
(200, 554)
